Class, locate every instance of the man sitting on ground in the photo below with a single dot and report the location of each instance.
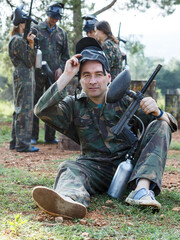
(87, 120)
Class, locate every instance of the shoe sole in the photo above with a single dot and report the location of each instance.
(53, 204)
(153, 204)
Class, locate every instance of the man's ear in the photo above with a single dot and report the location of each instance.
(109, 78)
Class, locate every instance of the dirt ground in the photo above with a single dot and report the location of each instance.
(47, 153)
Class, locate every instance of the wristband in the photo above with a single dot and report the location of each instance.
(160, 115)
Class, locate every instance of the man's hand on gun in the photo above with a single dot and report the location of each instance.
(149, 105)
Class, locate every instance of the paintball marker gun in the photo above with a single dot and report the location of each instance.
(29, 19)
(117, 89)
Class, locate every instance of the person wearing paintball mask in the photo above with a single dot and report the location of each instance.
(22, 55)
(53, 43)
(89, 24)
(87, 119)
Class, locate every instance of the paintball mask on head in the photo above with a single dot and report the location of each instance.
(55, 10)
(90, 50)
(89, 22)
(19, 16)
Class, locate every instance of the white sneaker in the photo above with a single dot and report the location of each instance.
(143, 197)
(52, 203)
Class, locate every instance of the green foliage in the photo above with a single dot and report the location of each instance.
(16, 224)
(6, 110)
(167, 7)
(160, 100)
(168, 77)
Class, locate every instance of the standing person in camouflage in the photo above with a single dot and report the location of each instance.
(87, 120)
(53, 43)
(109, 44)
(89, 22)
(23, 56)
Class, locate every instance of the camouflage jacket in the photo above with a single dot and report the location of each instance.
(22, 56)
(113, 54)
(85, 123)
(54, 46)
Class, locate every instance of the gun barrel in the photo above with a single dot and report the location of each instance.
(151, 78)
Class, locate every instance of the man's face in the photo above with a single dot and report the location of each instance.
(93, 81)
(91, 34)
(51, 21)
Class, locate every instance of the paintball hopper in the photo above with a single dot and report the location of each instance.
(90, 49)
(20, 16)
(119, 86)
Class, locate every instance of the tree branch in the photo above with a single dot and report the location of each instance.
(10, 4)
(105, 8)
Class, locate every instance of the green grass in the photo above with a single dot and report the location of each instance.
(174, 145)
(121, 222)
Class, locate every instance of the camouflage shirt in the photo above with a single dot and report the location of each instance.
(54, 46)
(113, 54)
(87, 124)
(22, 56)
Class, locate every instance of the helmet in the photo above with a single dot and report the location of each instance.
(89, 22)
(90, 49)
(55, 10)
(19, 16)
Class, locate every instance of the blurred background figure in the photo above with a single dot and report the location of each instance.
(109, 44)
(53, 43)
(89, 24)
(23, 55)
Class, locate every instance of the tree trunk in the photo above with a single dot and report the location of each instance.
(77, 21)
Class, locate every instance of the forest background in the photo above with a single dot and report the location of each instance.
(141, 66)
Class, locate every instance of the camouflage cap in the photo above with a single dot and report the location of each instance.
(90, 49)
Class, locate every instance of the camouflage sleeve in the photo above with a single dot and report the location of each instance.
(65, 53)
(173, 122)
(57, 112)
(22, 50)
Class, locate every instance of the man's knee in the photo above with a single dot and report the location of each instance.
(159, 126)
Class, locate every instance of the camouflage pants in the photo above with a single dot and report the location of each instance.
(42, 84)
(83, 178)
(23, 91)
